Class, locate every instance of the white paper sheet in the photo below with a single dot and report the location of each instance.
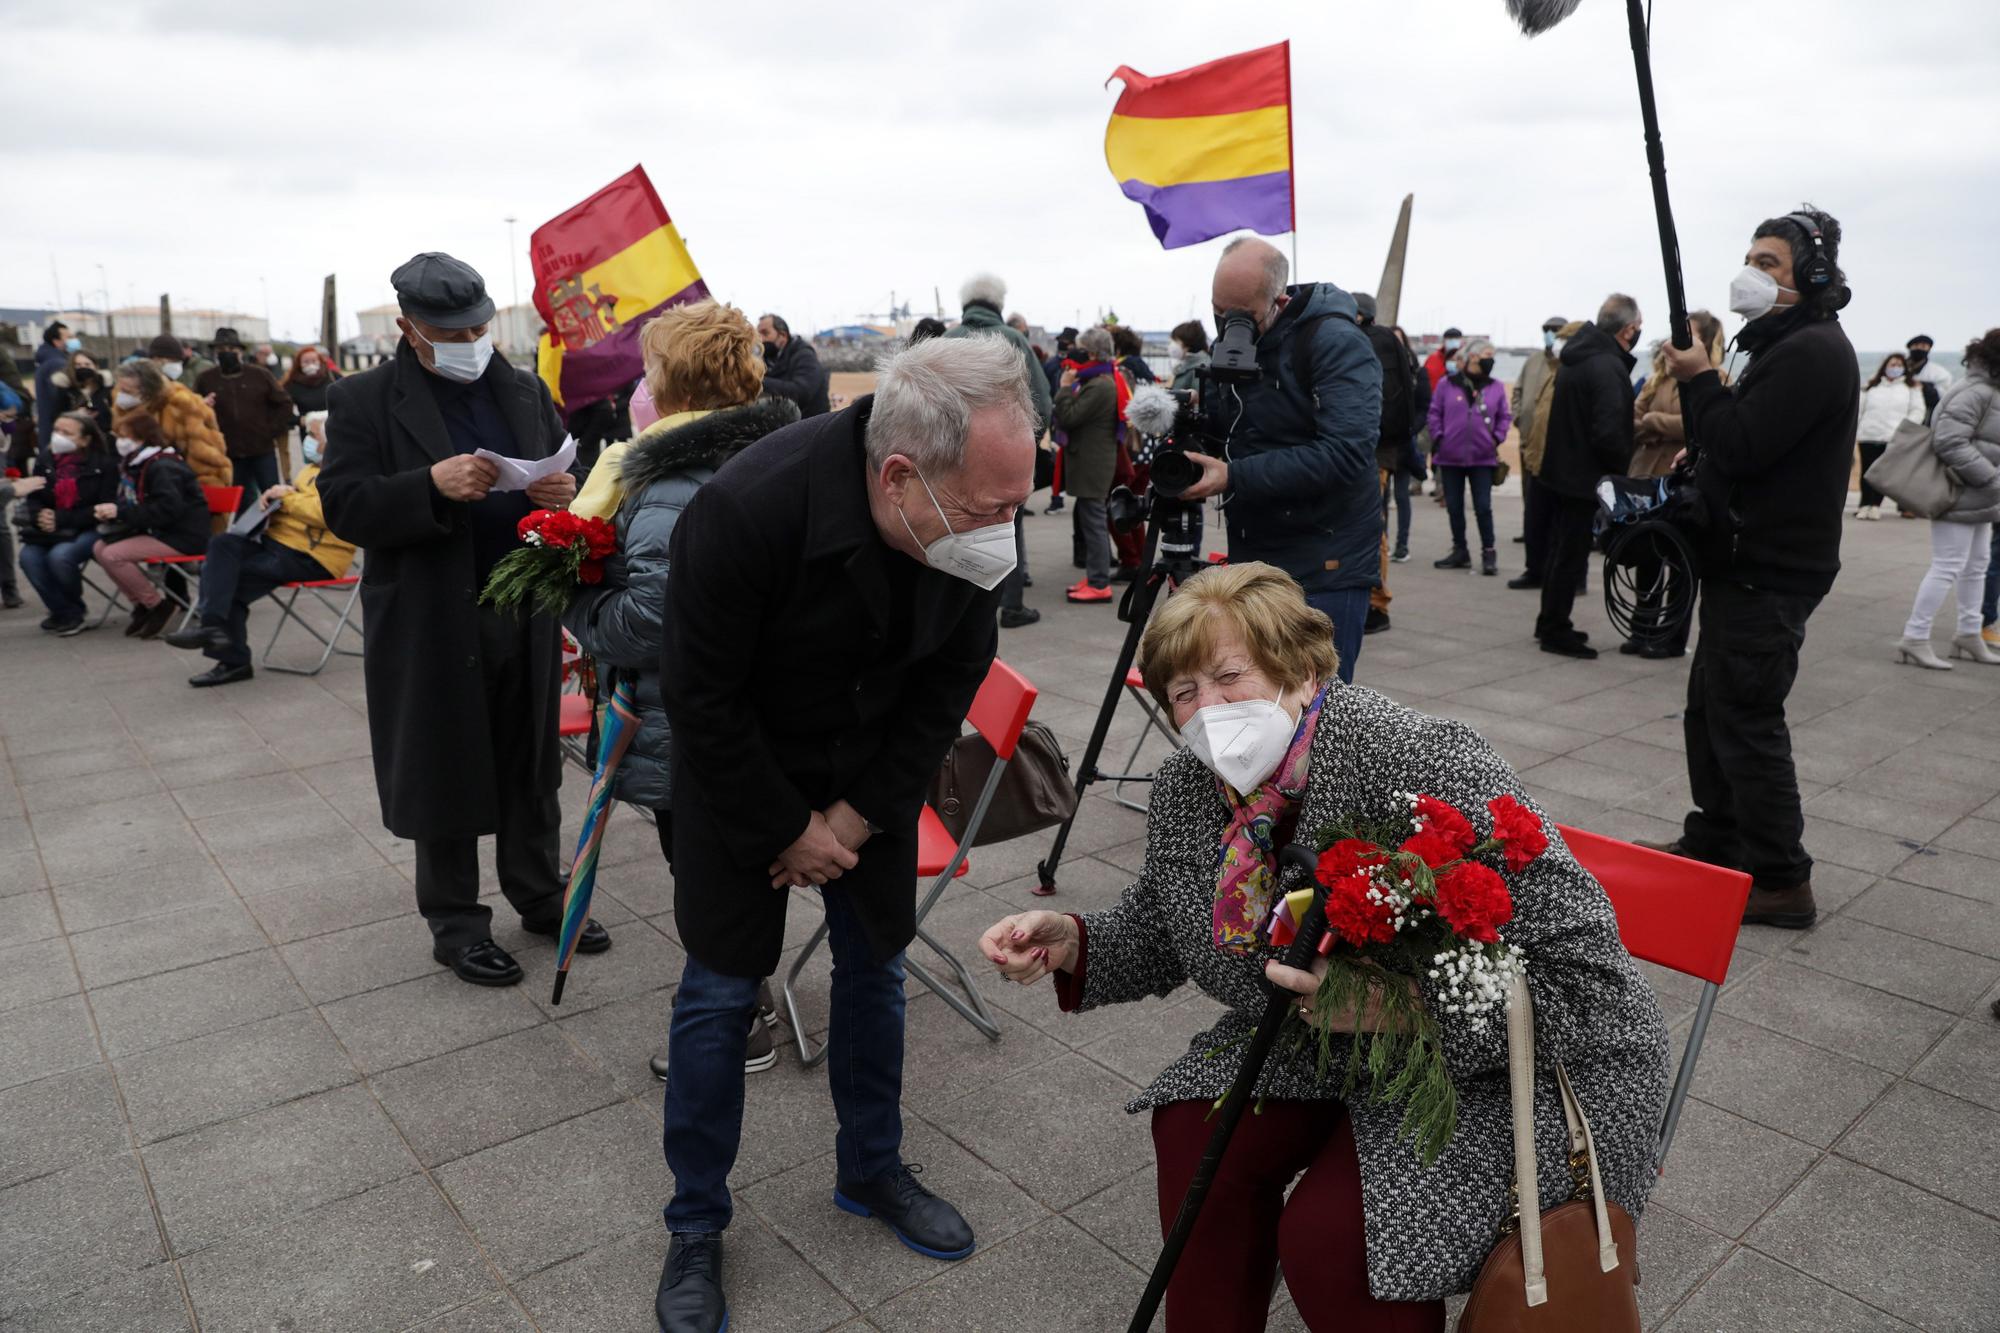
(518, 474)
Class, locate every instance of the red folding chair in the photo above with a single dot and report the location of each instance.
(327, 593)
(999, 712)
(1135, 686)
(1681, 914)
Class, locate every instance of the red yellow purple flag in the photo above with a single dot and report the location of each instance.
(1207, 151)
(602, 269)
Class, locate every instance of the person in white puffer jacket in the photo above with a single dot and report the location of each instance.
(1887, 401)
(1965, 433)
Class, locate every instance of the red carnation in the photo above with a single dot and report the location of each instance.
(601, 537)
(1345, 857)
(530, 523)
(1473, 900)
(590, 571)
(1436, 849)
(1519, 831)
(1445, 820)
(1353, 916)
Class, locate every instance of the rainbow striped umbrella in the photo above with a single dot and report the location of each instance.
(621, 720)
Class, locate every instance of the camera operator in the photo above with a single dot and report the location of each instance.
(1772, 454)
(1298, 476)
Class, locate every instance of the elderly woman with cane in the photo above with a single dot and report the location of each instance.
(1372, 1237)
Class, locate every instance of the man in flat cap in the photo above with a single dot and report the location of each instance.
(462, 703)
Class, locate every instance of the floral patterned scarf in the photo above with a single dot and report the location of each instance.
(1246, 881)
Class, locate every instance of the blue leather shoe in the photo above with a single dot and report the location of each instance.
(920, 1219)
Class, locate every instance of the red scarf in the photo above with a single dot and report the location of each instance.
(64, 489)
(1090, 370)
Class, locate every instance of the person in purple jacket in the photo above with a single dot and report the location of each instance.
(1469, 417)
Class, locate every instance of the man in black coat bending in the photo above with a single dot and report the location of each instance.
(1590, 436)
(461, 698)
(1771, 459)
(830, 615)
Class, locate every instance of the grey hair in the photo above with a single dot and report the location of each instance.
(1476, 346)
(1617, 312)
(1096, 343)
(1277, 271)
(927, 395)
(983, 287)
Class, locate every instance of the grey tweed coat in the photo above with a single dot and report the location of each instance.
(1428, 1229)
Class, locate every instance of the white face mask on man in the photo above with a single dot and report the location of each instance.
(125, 399)
(463, 362)
(1242, 743)
(1753, 293)
(982, 556)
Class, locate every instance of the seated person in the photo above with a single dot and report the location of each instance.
(57, 517)
(1370, 1237)
(293, 546)
(159, 511)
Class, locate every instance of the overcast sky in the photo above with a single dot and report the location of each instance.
(818, 159)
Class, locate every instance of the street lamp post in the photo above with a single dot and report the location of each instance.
(110, 325)
(514, 270)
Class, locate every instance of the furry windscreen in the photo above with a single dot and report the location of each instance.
(1538, 16)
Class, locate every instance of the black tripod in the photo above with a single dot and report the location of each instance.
(1170, 558)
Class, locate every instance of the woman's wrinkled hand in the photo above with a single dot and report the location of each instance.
(1029, 945)
(1306, 984)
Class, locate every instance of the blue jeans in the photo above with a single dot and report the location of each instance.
(237, 572)
(57, 574)
(1989, 605)
(1455, 479)
(1348, 609)
(864, 1068)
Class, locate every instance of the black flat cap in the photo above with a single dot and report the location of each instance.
(1454, 332)
(443, 292)
(226, 337)
(1554, 323)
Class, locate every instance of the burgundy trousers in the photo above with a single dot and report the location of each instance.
(1248, 1227)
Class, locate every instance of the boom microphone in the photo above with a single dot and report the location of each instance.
(1152, 410)
(1538, 16)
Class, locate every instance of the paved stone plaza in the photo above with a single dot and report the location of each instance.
(239, 1095)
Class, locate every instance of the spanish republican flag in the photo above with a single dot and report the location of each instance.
(602, 270)
(1208, 150)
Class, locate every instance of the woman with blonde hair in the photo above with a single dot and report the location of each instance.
(1658, 432)
(186, 422)
(704, 374)
(1321, 1182)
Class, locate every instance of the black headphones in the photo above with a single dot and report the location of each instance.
(1817, 271)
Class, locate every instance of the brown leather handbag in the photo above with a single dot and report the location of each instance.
(1574, 1268)
(1035, 791)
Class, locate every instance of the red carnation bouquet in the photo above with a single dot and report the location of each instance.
(559, 552)
(1417, 897)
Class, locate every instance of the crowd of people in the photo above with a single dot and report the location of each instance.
(754, 513)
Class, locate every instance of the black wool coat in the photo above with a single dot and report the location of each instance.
(804, 661)
(427, 710)
(1590, 416)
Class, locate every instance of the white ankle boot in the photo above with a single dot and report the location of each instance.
(1918, 652)
(1976, 648)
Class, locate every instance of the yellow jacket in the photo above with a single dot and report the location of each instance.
(301, 525)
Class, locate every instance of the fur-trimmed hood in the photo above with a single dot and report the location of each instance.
(708, 441)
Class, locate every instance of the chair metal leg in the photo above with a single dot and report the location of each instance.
(330, 642)
(976, 1012)
(1684, 1080)
(808, 1057)
(1154, 722)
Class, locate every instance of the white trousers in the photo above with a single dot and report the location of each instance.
(1958, 556)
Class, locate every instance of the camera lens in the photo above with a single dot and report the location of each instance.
(1174, 472)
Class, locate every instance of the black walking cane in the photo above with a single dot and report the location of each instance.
(1538, 16)
(1300, 954)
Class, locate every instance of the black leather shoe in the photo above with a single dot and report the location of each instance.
(593, 938)
(203, 637)
(1016, 617)
(1524, 581)
(483, 963)
(160, 615)
(1377, 621)
(1572, 647)
(1459, 559)
(690, 1297)
(920, 1219)
(222, 673)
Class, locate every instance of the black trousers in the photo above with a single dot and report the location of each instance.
(237, 572)
(1537, 507)
(1870, 451)
(1568, 563)
(530, 821)
(1016, 583)
(1746, 791)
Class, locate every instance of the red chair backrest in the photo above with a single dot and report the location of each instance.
(1001, 708)
(1672, 911)
(223, 499)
